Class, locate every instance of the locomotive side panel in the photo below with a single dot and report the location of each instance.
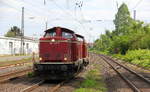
(74, 50)
(85, 53)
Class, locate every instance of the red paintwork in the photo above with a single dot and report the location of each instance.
(72, 49)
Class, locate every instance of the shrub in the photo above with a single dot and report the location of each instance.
(139, 57)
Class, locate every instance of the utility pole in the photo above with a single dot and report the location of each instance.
(67, 4)
(79, 4)
(46, 23)
(117, 5)
(44, 2)
(134, 14)
(22, 31)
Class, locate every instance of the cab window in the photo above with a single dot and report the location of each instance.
(80, 39)
(50, 34)
(67, 35)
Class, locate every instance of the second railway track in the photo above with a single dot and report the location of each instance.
(137, 82)
(13, 74)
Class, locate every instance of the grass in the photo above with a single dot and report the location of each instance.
(87, 90)
(93, 82)
(31, 74)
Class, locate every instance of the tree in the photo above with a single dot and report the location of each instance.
(122, 20)
(129, 34)
(13, 32)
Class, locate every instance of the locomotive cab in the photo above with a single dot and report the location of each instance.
(55, 46)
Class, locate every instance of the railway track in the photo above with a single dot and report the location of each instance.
(50, 89)
(13, 74)
(14, 65)
(32, 87)
(136, 82)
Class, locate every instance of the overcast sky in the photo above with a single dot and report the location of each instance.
(90, 20)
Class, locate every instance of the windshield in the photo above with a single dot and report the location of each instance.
(80, 39)
(50, 34)
(67, 35)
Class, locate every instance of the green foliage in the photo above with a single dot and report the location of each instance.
(90, 79)
(128, 35)
(87, 90)
(125, 41)
(13, 32)
(31, 74)
(123, 21)
(89, 83)
(120, 44)
(10, 34)
(138, 57)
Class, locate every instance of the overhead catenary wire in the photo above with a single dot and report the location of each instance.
(74, 18)
(28, 11)
(18, 10)
(137, 4)
(134, 9)
(62, 9)
(31, 14)
(39, 9)
(66, 12)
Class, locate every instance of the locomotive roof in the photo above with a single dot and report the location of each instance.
(79, 35)
(63, 29)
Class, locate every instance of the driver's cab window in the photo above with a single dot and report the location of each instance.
(80, 39)
(67, 35)
(50, 34)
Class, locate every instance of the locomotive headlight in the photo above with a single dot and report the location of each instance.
(65, 58)
(53, 40)
(40, 58)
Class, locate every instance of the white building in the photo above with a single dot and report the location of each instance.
(12, 46)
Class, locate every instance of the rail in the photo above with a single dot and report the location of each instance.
(130, 83)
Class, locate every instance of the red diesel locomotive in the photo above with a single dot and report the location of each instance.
(62, 54)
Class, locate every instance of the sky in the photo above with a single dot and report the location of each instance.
(91, 20)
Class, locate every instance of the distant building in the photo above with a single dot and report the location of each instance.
(12, 46)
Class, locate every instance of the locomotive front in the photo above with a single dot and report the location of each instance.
(58, 54)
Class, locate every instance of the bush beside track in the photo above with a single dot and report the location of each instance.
(139, 57)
